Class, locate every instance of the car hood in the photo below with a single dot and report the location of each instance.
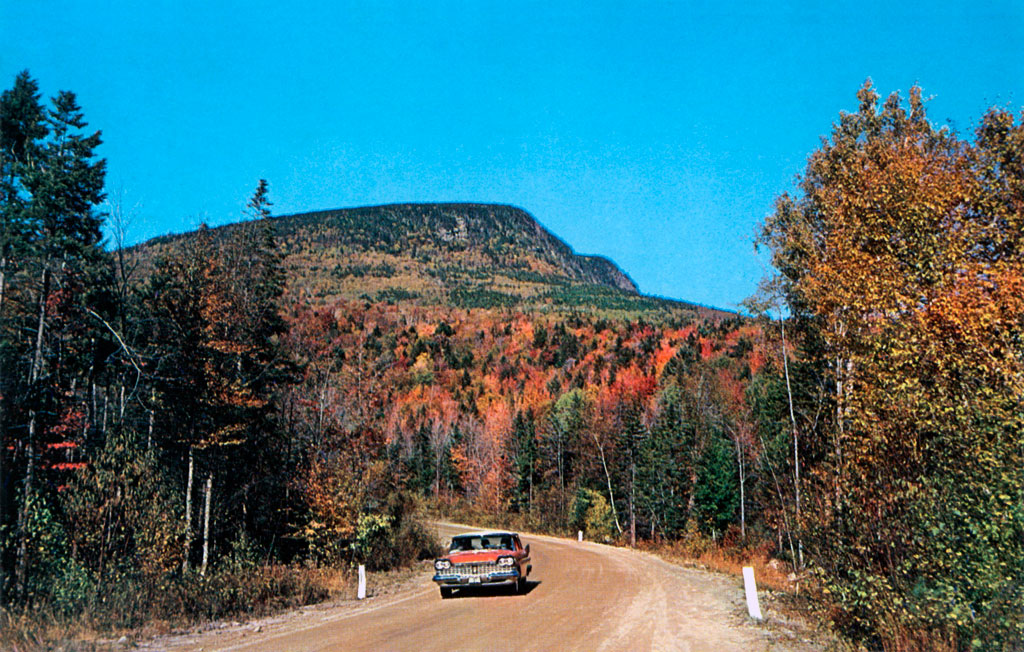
(478, 556)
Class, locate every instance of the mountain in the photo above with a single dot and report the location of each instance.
(465, 255)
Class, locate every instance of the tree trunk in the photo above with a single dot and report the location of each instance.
(152, 416)
(3, 283)
(3, 433)
(437, 471)
(608, 478)
(188, 512)
(691, 500)
(21, 570)
(531, 483)
(21, 573)
(206, 524)
(37, 355)
(743, 507)
(632, 497)
(796, 449)
(561, 481)
(561, 478)
(783, 510)
(93, 403)
(698, 450)
(843, 371)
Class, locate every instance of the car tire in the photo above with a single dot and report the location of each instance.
(520, 585)
(446, 592)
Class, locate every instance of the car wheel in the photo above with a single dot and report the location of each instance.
(446, 592)
(520, 585)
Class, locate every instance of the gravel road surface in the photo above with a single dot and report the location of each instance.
(581, 596)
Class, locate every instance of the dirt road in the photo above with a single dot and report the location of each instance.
(582, 596)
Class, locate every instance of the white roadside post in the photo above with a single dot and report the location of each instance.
(579, 535)
(361, 593)
(753, 607)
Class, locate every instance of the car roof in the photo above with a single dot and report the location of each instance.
(485, 534)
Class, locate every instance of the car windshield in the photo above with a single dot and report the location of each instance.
(481, 542)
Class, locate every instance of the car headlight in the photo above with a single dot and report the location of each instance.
(442, 564)
(506, 561)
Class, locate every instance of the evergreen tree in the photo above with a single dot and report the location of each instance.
(422, 462)
(716, 496)
(631, 438)
(22, 129)
(61, 281)
(662, 475)
(561, 439)
(524, 460)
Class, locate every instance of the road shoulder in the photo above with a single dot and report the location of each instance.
(383, 590)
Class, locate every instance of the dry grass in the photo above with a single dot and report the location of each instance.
(772, 574)
(136, 609)
(898, 637)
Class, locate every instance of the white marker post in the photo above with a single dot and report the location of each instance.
(579, 535)
(361, 593)
(753, 608)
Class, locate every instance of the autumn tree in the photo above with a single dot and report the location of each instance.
(902, 266)
(216, 341)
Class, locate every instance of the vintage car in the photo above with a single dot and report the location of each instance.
(484, 558)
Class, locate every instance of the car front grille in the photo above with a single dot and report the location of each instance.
(475, 569)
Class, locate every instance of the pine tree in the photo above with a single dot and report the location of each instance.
(22, 129)
(524, 460)
(662, 474)
(62, 188)
(716, 497)
(561, 438)
(630, 441)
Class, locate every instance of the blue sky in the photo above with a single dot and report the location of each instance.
(655, 133)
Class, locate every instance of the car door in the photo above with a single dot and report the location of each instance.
(522, 555)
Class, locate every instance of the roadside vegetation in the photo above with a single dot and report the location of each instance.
(901, 266)
(205, 429)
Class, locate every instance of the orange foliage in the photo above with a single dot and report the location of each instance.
(662, 356)
(707, 348)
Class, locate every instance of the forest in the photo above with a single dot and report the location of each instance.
(191, 437)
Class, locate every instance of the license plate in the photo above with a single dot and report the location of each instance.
(474, 580)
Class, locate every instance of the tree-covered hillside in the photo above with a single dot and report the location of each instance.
(465, 255)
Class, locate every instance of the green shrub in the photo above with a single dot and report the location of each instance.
(591, 512)
(374, 542)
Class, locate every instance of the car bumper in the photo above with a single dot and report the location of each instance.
(491, 579)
